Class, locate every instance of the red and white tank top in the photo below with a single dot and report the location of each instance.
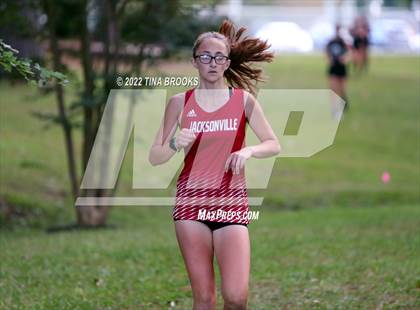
(204, 190)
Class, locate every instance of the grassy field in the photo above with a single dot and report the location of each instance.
(330, 234)
(331, 258)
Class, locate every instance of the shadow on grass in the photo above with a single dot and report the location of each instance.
(77, 227)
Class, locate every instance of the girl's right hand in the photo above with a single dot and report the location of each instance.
(185, 137)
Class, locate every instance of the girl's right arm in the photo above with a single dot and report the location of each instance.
(160, 151)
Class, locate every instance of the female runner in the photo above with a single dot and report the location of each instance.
(211, 208)
(360, 51)
(336, 51)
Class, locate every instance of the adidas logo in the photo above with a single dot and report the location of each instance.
(191, 113)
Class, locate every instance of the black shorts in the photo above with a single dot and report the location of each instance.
(337, 70)
(216, 225)
(359, 43)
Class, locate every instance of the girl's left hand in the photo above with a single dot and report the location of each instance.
(236, 161)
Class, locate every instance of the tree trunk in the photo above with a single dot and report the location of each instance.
(89, 215)
(49, 7)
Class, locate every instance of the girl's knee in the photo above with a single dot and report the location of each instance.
(204, 300)
(235, 299)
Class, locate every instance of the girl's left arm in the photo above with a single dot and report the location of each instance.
(269, 145)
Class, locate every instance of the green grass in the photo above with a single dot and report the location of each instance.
(331, 234)
(333, 258)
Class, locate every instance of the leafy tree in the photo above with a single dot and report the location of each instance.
(169, 25)
(29, 70)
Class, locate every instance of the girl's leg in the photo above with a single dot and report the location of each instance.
(335, 84)
(365, 59)
(343, 92)
(342, 87)
(196, 243)
(336, 105)
(357, 61)
(354, 59)
(232, 249)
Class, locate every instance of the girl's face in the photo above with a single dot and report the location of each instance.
(212, 71)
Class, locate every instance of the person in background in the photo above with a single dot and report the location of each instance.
(360, 51)
(337, 54)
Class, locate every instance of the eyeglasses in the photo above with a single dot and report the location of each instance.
(206, 59)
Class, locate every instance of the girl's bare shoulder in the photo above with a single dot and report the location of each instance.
(249, 99)
(177, 99)
(176, 104)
